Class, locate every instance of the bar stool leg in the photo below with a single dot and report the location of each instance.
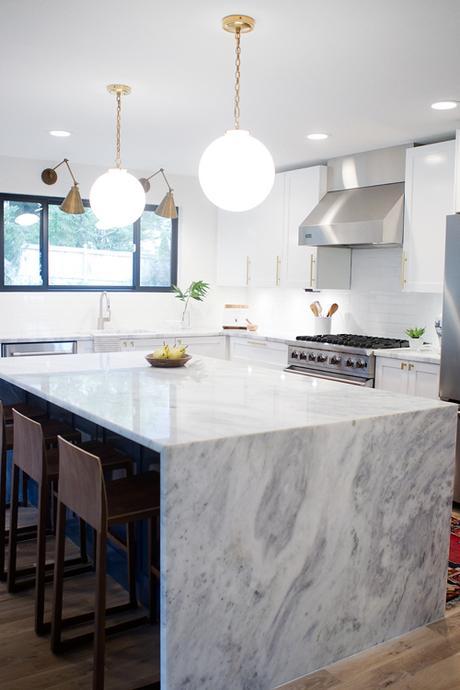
(99, 632)
(2, 514)
(56, 625)
(83, 541)
(12, 540)
(24, 485)
(40, 627)
(131, 529)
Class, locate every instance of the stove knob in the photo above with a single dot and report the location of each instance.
(295, 354)
(303, 355)
(335, 359)
(322, 358)
(312, 357)
(350, 362)
(361, 364)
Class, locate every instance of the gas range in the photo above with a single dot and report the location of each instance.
(344, 357)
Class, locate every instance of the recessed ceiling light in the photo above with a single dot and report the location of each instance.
(317, 136)
(59, 133)
(444, 105)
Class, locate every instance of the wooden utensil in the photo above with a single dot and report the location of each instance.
(319, 308)
(314, 309)
(332, 309)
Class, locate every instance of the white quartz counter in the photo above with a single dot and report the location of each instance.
(426, 354)
(208, 399)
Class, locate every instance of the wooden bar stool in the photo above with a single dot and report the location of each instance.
(101, 504)
(6, 444)
(34, 456)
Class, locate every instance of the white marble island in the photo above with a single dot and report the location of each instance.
(302, 520)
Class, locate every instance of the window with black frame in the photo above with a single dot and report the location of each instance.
(47, 249)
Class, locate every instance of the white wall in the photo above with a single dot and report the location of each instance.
(374, 306)
(63, 311)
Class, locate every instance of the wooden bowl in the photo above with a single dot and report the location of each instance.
(167, 363)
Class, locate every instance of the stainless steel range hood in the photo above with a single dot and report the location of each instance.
(360, 217)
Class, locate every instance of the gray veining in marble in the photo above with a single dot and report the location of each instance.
(283, 553)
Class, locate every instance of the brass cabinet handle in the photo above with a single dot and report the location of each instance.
(312, 267)
(411, 366)
(403, 269)
(248, 270)
(403, 365)
(278, 264)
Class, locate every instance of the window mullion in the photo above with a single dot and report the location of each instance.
(2, 244)
(44, 244)
(137, 254)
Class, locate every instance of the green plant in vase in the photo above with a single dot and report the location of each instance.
(415, 336)
(197, 290)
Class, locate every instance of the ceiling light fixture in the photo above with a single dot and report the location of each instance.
(167, 207)
(117, 197)
(236, 170)
(444, 105)
(317, 136)
(72, 203)
(59, 133)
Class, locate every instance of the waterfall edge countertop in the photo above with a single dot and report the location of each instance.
(301, 520)
(207, 399)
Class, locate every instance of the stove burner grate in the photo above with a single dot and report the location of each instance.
(363, 341)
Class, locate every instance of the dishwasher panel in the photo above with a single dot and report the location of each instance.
(40, 348)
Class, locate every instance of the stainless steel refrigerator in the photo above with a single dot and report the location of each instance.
(450, 342)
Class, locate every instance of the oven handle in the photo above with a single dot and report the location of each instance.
(353, 380)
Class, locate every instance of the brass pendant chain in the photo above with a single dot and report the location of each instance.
(118, 150)
(236, 107)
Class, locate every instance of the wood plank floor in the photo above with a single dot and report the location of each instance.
(26, 662)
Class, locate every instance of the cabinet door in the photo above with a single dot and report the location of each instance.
(429, 199)
(210, 346)
(261, 353)
(232, 248)
(392, 375)
(424, 379)
(266, 233)
(303, 190)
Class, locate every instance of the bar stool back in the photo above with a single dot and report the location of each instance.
(40, 463)
(83, 489)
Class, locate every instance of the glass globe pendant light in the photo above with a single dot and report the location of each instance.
(117, 198)
(236, 170)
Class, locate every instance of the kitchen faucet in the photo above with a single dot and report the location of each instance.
(105, 314)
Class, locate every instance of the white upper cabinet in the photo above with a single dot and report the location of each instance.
(232, 249)
(430, 197)
(260, 248)
(265, 239)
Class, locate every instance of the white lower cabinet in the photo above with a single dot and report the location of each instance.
(264, 353)
(210, 346)
(410, 377)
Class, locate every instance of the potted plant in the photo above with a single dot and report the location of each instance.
(415, 337)
(197, 290)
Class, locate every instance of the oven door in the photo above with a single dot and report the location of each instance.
(331, 376)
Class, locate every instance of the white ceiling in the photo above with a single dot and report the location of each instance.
(365, 71)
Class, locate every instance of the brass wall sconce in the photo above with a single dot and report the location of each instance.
(72, 203)
(167, 207)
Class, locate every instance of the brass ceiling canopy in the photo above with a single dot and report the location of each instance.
(167, 207)
(72, 203)
(119, 89)
(238, 23)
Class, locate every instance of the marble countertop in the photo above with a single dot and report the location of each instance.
(426, 354)
(206, 400)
